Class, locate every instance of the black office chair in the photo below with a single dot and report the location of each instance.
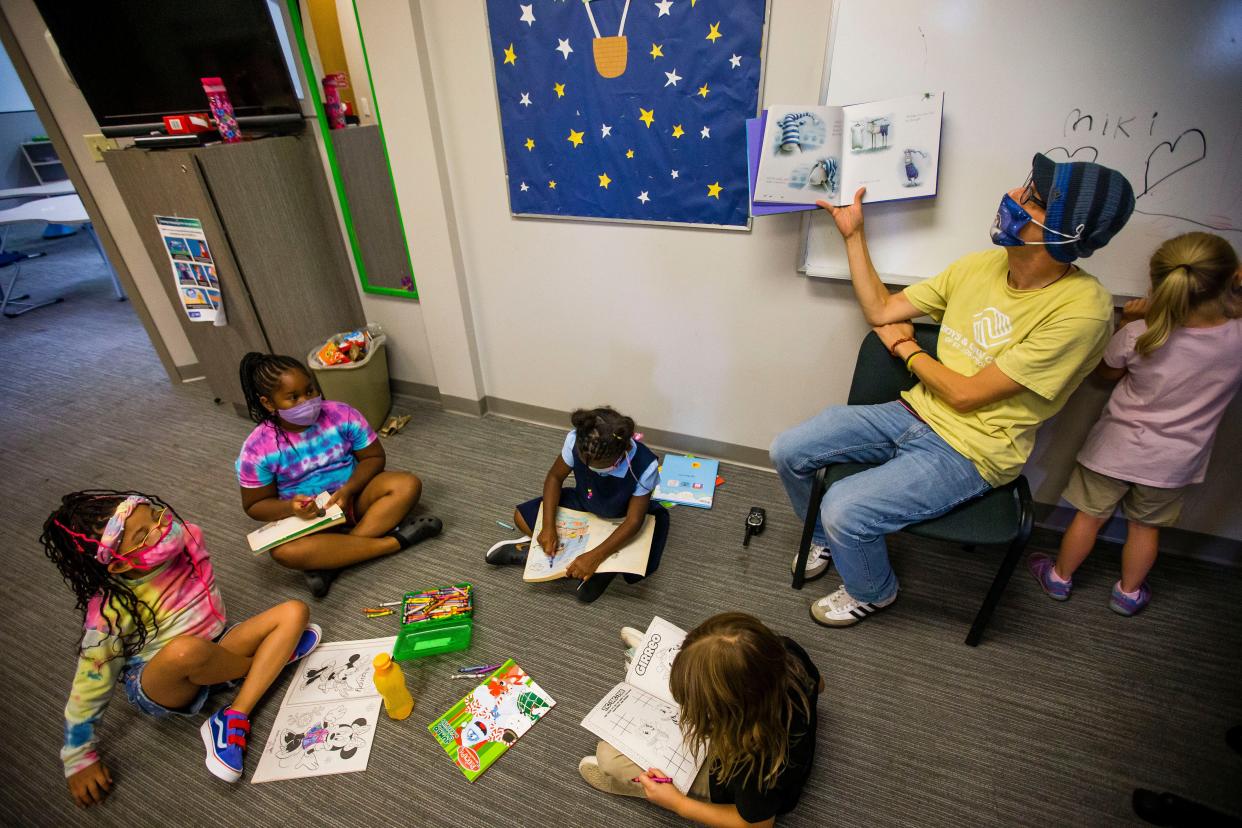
(1002, 517)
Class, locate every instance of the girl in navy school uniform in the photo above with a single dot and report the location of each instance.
(614, 475)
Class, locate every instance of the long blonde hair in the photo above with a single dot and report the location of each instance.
(738, 687)
(1186, 272)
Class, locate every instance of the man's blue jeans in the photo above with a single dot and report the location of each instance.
(921, 477)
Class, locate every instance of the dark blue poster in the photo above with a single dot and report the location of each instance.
(613, 109)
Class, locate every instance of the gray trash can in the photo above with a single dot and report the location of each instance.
(364, 384)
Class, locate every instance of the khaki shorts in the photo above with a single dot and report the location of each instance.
(1098, 495)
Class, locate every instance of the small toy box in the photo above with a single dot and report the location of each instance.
(435, 621)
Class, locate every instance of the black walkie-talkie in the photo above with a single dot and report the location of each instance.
(754, 523)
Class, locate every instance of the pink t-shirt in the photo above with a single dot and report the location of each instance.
(1158, 426)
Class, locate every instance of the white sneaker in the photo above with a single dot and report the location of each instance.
(631, 637)
(840, 609)
(817, 562)
(589, 770)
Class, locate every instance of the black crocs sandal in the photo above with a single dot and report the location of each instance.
(319, 581)
(415, 530)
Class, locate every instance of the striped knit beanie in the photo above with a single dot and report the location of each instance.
(1083, 195)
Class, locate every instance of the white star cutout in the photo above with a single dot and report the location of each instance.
(663, 6)
(643, 197)
(673, 77)
(564, 48)
(528, 14)
(605, 130)
(675, 173)
(524, 187)
(705, 132)
(735, 61)
(525, 99)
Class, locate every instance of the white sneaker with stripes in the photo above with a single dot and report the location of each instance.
(817, 562)
(840, 609)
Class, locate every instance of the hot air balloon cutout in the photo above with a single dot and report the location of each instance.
(610, 52)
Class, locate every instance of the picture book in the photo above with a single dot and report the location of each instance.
(639, 717)
(286, 529)
(326, 721)
(687, 481)
(478, 730)
(825, 153)
(580, 532)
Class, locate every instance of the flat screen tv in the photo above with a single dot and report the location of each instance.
(139, 60)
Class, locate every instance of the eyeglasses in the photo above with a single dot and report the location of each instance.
(1029, 194)
(152, 535)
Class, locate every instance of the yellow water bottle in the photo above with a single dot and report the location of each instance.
(390, 682)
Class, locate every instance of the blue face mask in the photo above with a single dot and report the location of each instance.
(1011, 218)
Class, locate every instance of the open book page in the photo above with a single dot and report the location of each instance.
(286, 529)
(580, 532)
(799, 160)
(639, 717)
(892, 148)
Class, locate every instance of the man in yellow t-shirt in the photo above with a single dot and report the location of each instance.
(1021, 326)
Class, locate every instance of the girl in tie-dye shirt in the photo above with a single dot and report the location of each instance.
(304, 445)
(154, 622)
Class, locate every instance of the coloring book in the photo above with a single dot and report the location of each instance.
(579, 532)
(286, 529)
(825, 153)
(327, 719)
(687, 481)
(639, 717)
(480, 728)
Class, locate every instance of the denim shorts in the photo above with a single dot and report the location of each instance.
(131, 676)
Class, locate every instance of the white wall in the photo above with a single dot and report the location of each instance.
(75, 120)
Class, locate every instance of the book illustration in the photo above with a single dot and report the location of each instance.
(319, 740)
(579, 533)
(481, 727)
(639, 717)
(687, 481)
(326, 722)
(854, 152)
(870, 134)
(910, 167)
(754, 146)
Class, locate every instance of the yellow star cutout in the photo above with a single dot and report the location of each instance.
(629, 153)
(575, 138)
(530, 144)
(656, 51)
(604, 180)
(551, 185)
(647, 116)
(713, 190)
(678, 131)
(714, 34)
(510, 55)
(703, 90)
(559, 89)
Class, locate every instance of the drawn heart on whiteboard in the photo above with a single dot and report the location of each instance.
(1166, 159)
(1069, 156)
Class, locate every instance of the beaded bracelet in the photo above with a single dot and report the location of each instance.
(893, 348)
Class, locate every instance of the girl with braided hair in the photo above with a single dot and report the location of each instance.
(154, 621)
(303, 445)
(614, 475)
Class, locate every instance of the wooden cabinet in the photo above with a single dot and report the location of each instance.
(269, 220)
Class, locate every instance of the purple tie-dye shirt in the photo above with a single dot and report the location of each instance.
(318, 459)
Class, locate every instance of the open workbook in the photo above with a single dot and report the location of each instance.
(639, 717)
(580, 532)
(273, 534)
(825, 153)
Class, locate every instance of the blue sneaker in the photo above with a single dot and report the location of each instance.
(311, 636)
(1041, 567)
(1123, 604)
(224, 735)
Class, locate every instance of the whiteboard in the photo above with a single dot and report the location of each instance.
(1152, 88)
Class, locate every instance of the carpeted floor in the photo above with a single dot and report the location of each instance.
(1062, 711)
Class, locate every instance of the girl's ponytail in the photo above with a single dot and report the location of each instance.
(1186, 272)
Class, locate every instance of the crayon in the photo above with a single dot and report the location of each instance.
(482, 668)
(663, 780)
